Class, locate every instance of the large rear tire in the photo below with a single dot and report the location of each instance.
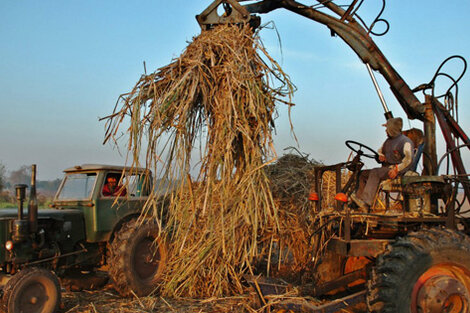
(136, 258)
(427, 271)
(32, 290)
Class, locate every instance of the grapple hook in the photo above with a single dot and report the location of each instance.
(235, 13)
(227, 8)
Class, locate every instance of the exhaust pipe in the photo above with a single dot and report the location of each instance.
(20, 196)
(33, 203)
(20, 230)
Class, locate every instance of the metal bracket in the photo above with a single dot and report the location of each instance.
(209, 17)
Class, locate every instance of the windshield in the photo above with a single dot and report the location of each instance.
(77, 187)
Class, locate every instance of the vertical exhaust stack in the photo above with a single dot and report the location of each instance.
(20, 196)
(33, 203)
(20, 231)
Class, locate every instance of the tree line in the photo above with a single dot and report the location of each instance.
(8, 179)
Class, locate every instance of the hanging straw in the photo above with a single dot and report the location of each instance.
(217, 99)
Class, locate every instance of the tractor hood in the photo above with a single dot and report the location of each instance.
(43, 213)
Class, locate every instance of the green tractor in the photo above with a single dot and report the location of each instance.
(91, 225)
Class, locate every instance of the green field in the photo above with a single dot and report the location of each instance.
(4, 205)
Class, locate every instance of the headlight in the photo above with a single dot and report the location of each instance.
(9, 245)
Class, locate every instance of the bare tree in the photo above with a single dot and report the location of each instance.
(20, 176)
(2, 177)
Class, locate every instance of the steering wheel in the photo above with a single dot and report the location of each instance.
(352, 145)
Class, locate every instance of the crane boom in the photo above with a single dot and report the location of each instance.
(358, 38)
(342, 23)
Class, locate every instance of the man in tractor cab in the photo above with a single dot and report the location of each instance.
(396, 156)
(111, 188)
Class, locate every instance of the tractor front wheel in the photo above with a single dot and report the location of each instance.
(32, 290)
(427, 271)
(136, 258)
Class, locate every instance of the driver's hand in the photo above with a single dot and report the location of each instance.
(393, 172)
(382, 158)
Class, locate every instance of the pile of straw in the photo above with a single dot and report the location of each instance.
(303, 234)
(289, 251)
(218, 99)
(291, 178)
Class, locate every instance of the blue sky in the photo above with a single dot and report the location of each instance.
(63, 65)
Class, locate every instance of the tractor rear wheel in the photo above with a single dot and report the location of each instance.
(32, 290)
(136, 258)
(427, 271)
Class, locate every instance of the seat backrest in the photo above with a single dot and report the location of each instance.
(417, 157)
(417, 137)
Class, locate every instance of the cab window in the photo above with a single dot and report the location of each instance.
(129, 185)
(77, 186)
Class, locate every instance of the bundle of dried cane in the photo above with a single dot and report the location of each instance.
(291, 178)
(219, 96)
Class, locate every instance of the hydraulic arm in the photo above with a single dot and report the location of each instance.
(343, 23)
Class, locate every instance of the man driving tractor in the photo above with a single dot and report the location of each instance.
(111, 188)
(396, 156)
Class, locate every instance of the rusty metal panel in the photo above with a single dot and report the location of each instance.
(339, 282)
(358, 247)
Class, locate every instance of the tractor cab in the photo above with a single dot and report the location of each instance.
(88, 188)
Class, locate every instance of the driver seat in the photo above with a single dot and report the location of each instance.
(412, 199)
(416, 157)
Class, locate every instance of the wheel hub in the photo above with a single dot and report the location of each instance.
(33, 297)
(440, 292)
(146, 259)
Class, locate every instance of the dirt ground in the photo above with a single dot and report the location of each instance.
(107, 300)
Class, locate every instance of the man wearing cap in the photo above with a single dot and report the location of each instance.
(396, 155)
